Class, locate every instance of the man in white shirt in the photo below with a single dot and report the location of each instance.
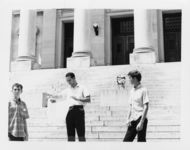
(77, 96)
(137, 118)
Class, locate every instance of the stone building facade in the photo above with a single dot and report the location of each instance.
(99, 45)
(59, 38)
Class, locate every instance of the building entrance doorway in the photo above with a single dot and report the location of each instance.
(172, 36)
(67, 47)
(122, 39)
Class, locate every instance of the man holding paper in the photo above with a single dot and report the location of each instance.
(76, 96)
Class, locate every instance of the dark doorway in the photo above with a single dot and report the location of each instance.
(68, 41)
(122, 39)
(172, 36)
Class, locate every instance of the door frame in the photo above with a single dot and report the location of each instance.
(109, 14)
(62, 17)
(63, 41)
(165, 12)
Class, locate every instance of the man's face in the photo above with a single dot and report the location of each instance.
(132, 80)
(70, 81)
(16, 91)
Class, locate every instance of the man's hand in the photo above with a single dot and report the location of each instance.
(139, 126)
(26, 137)
(128, 123)
(76, 99)
(52, 100)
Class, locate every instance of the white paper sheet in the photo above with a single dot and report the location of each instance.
(57, 112)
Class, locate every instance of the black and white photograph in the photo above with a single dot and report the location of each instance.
(96, 75)
(92, 62)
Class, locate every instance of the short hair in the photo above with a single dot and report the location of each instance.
(18, 85)
(135, 74)
(70, 74)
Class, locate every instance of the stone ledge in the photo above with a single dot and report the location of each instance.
(143, 58)
(78, 62)
(24, 65)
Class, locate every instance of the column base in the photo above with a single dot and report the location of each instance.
(24, 65)
(148, 57)
(79, 62)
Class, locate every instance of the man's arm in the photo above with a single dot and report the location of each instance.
(86, 99)
(24, 111)
(25, 130)
(129, 115)
(25, 115)
(56, 98)
(145, 110)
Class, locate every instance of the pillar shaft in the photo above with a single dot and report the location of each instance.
(144, 50)
(26, 46)
(142, 29)
(81, 53)
(81, 31)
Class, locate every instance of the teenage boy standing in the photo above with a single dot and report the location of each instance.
(137, 118)
(18, 113)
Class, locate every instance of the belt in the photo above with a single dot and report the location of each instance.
(76, 106)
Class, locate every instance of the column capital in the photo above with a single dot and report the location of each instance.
(25, 58)
(143, 49)
(81, 54)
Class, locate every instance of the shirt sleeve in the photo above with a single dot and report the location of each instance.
(25, 111)
(145, 96)
(130, 99)
(9, 113)
(9, 104)
(85, 92)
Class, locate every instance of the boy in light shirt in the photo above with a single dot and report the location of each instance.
(137, 118)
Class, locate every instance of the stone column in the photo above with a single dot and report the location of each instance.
(26, 44)
(81, 51)
(144, 51)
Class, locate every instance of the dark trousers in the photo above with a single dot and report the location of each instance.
(132, 132)
(13, 138)
(76, 120)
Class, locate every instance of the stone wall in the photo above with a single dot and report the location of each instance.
(105, 122)
(97, 42)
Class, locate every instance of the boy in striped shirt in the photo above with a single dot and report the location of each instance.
(18, 113)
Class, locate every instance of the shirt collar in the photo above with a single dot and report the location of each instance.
(139, 86)
(16, 101)
(77, 85)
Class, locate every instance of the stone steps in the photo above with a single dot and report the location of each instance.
(105, 122)
(113, 112)
(104, 140)
(151, 128)
(105, 135)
